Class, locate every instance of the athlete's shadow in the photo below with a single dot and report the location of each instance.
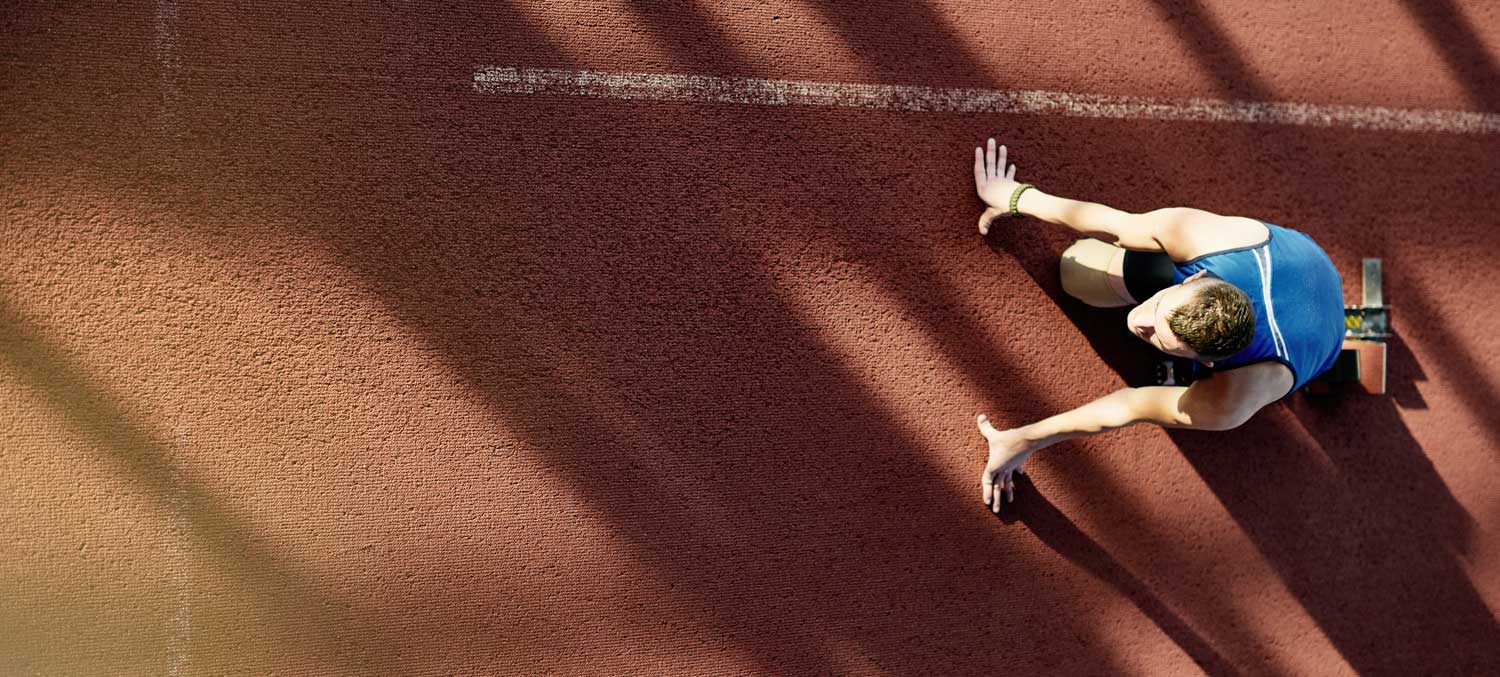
(1038, 249)
(1359, 526)
(1054, 528)
(1345, 506)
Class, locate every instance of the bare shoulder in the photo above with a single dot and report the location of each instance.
(1228, 398)
(1264, 382)
(1186, 233)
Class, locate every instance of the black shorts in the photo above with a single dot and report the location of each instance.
(1147, 273)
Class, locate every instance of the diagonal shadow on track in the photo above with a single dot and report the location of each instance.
(1459, 365)
(1217, 56)
(1472, 63)
(1337, 539)
(1037, 250)
(277, 585)
(589, 257)
(920, 286)
(1060, 534)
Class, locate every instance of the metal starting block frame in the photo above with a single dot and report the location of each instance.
(1366, 328)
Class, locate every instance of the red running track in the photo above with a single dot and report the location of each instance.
(315, 359)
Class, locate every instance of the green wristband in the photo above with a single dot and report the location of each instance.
(1015, 198)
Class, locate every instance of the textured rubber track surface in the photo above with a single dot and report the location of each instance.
(315, 359)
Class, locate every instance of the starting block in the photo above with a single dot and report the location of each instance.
(1366, 329)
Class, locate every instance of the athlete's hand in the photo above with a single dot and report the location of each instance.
(1008, 451)
(994, 182)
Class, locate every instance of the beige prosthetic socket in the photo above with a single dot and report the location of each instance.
(1094, 272)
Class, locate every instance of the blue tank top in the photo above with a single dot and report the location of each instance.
(1297, 296)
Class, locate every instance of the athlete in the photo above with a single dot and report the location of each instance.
(1259, 309)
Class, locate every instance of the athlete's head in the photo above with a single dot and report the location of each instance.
(1203, 318)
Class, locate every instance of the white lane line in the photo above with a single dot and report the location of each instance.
(702, 88)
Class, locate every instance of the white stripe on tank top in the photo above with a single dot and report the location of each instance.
(1263, 258)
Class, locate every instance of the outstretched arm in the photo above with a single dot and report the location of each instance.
(1178, 231)
(995, 182)
(1208, 404)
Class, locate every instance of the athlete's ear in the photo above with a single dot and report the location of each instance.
(1195, 276)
